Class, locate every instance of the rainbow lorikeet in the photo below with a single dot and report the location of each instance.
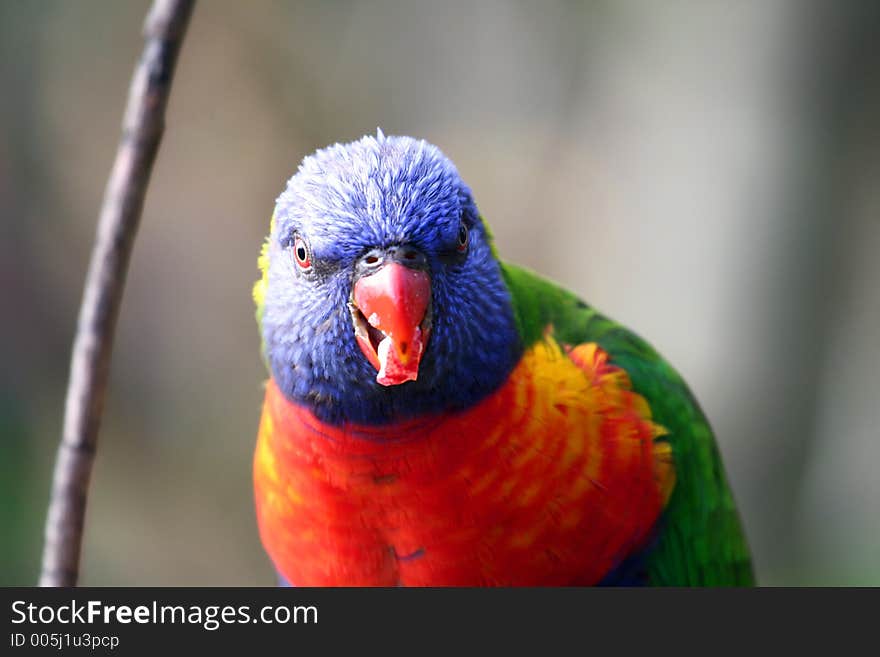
(436, 416)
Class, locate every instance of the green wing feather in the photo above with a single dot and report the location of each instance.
(700, 539)
(259, 289)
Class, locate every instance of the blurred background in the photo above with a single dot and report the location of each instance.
(707, 173)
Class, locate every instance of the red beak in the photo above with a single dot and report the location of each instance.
(394, 301)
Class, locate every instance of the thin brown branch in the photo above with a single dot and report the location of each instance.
(142, 129)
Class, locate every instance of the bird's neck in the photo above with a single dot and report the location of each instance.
(338, 386)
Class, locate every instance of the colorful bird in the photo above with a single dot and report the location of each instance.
(435, 416)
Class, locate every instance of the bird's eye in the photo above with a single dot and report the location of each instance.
(463, 237)
(301, 254)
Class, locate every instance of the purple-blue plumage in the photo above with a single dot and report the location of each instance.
(343, 202)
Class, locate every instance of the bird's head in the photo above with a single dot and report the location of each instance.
(381, 298)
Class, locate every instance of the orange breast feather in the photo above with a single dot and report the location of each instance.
(551, 480)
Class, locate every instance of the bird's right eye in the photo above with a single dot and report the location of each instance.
(301, 254)
(463, 238)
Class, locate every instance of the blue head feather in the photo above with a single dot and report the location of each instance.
(344, 201)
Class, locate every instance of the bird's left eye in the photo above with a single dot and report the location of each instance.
(301, 254)
(463, 237)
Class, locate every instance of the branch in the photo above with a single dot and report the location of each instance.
(142, 128)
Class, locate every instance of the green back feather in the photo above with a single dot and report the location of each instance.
(700, 540)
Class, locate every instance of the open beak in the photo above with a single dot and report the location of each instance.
(390, 309)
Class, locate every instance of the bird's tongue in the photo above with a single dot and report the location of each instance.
(394, 301)
(393, 369)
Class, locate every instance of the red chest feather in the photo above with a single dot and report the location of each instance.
(552, 480)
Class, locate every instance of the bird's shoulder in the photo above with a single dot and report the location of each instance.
(699, 538)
